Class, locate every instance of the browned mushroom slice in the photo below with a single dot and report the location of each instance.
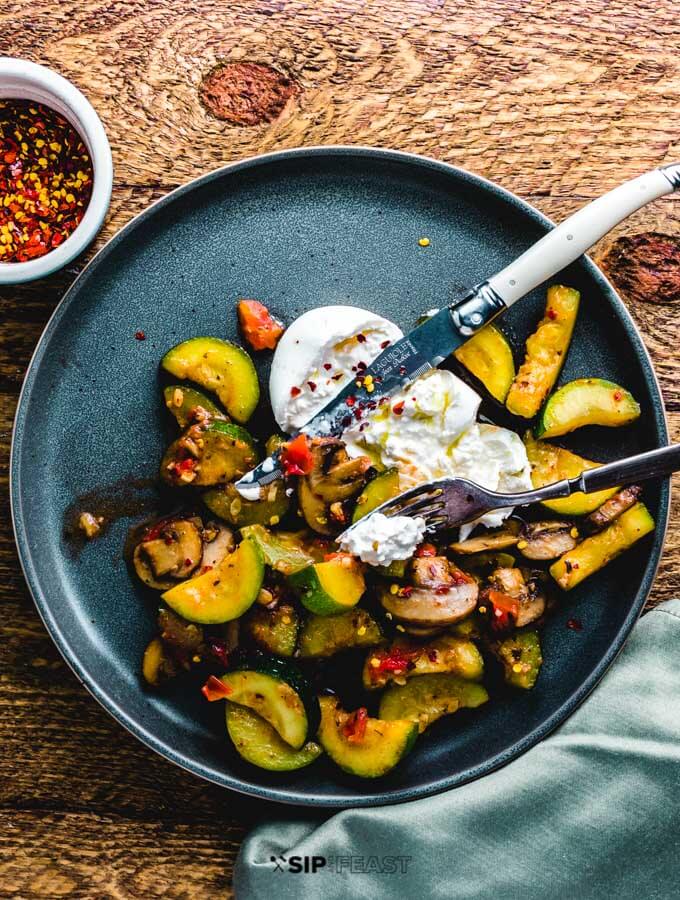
(547, 540)
(334, 475)
(529, 596)
(532, 606)
(423, 631)
(334, 479)
(218, 542)
(170, 556)
(430, 607)
(616, 505)
(185, 639)
(507, 536)
(431, 572)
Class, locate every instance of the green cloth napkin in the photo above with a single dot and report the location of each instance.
(593, 811)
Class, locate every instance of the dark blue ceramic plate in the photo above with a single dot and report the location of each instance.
(295, 229)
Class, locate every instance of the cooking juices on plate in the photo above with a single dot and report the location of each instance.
(282, 619)
(45, 180)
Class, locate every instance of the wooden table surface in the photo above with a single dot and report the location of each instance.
(557, 101)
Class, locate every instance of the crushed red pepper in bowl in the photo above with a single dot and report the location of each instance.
(46, 178)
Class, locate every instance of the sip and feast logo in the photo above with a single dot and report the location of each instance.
(355, 865)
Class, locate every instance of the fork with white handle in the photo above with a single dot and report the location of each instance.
(448, 502)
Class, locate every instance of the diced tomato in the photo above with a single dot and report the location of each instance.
(259, 329)
(214, 689)
(426, 550)
(296, 457)
(354, 728)
(505, 610)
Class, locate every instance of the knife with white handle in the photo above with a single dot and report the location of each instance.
(430, 343)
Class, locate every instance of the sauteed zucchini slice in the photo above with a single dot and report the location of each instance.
(218, 366)
(546, 350)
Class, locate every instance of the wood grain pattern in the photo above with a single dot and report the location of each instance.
(557, 101)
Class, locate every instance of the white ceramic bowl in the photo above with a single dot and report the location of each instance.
(23, 80)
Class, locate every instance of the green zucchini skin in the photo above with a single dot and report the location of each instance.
(259, 743)
(191, 398)
(429, 697)
(227, 452)
(226, 503)
(279, 672)
(274, 630)
(383, 487)
(586, 401)
(218, 366)
(385, 743)
(322, 636)
(520, 649)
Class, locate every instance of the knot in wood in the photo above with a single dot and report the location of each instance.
(246, 93)
(645, 267)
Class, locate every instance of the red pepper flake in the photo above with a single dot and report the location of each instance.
(46, 180)
(575, 624)
(385, 345)
(351, 400)
(361, 338)
(398, 408)
(354, 729)
(296, 456)
(551, 314)
(406, 591)
(188, 562)
(361, 366)
(140, 336)
(425, 550)
(215, 689)
(338, 554)
(218, 648)
(395, 660)
(617, 395)
(295, 391)
(432, 655)
(402, 370)
(327, 366)
(259, 328)
(346, 421)
(311, 385)
(442, 589)
(337, 377)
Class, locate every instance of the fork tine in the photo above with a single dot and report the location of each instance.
(412, 499)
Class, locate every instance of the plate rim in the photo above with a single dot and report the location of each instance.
(106, 700)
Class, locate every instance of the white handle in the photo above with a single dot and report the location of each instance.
(567, 241)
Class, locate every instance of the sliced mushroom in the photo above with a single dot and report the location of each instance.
(423, 631)
(534, 604)
(335, 476)
(170, 555)
(529, 596)
(219, 541)
(611, 509)
(334, 479)
(184, 639)
(507, 536)
(431, 572)
(426, 608)
(547, 540)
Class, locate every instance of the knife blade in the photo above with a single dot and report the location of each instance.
(402, 362)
